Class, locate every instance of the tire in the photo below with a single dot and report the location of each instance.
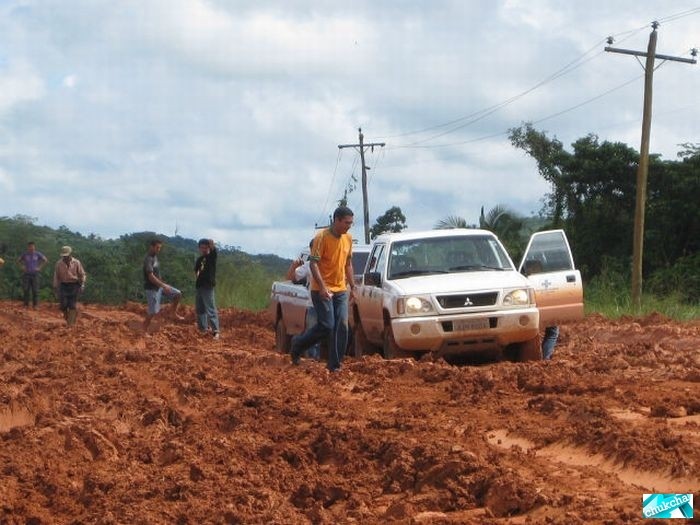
(530, 350)
(360, 346)
(390, 348)
(283, 341)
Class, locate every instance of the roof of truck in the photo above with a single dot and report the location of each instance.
(432, 234)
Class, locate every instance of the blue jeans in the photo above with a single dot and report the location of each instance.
(30, 286)
(205, 306)
(332, 324)
(551, 334)
(314, 351)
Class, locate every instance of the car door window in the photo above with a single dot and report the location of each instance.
(547, 252)
(376, 258)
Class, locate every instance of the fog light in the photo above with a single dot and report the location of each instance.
(524, 320)
(415, 329)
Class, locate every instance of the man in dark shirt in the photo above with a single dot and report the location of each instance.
(205, 275)
(155, 287)
(31, 263)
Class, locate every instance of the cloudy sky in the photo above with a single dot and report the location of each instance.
(222, 118)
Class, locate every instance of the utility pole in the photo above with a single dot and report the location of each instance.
(361, 147)
(643, 167)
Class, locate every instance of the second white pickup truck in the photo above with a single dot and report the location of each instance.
(290, 304)
(457, 292)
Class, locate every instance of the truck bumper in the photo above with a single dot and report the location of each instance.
(464, 333)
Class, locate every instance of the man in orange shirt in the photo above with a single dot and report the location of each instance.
(331, 268)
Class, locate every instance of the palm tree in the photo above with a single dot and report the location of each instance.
(506, 224)
(452, 221)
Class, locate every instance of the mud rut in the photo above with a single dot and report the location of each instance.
(101, 425)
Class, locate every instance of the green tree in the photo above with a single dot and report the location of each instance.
(451, 222)
(507, 225)
(592, 196)
(393, 221)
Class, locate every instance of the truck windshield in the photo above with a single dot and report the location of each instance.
(463, 253)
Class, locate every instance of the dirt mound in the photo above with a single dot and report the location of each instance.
(99, 424)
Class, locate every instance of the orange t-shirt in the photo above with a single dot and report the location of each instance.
(331, 253)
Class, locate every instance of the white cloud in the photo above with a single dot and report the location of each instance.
(225, 117)
(19, 83)
(70, 81)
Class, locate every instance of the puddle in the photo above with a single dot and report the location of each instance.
(627, 415)
(500, 438)
(579, 457)
(695, 418)
(12, 418)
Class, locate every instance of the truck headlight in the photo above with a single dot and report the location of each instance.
(516, 298)
(418, 305)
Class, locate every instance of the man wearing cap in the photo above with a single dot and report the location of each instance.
(68, 280)
(31, 262)
(155, 287)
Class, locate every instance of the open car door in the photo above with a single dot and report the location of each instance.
(549, 266)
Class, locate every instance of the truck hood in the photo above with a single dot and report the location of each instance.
(459, 282)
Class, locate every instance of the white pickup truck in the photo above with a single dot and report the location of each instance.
(457, 291)
(290, 303)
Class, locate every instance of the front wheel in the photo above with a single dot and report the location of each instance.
(390, 348)
(283, 341)
(360, 345)
(530, 350)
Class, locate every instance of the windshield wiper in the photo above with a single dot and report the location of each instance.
(476, 267)
(411, 273)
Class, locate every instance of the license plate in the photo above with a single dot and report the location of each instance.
(465, 325)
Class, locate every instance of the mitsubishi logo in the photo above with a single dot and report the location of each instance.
(468, 302)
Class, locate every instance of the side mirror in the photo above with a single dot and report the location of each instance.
(373, 279)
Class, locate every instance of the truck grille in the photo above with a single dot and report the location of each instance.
(470, 300)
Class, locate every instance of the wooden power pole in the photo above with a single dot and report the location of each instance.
(643, 167)
(361, 147)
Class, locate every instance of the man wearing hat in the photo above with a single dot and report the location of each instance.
(68, 280)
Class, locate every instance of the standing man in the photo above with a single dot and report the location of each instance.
(155, 287)
(549, 341)
(31, 262)
(68, 281)
(205, 280)
(331, 268)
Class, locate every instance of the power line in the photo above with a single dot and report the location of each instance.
(678, 16)
(361, 147)
(376, 163)
(478, 115)
(330, 187)
(548, 117)
(571, 66)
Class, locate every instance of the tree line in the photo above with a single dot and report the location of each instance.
(114, 266)
(592, 197)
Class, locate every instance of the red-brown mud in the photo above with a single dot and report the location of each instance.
(99, 424)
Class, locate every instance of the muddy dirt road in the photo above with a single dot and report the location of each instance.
(101, 425)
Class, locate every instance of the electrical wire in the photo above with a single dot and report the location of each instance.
(571, 66)
(478, 115)
(376, 163)
(543, 119)
(330, 187)
(678, 16)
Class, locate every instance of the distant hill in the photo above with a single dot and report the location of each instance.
(114, 265)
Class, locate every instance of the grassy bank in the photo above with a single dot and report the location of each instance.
(612, 298)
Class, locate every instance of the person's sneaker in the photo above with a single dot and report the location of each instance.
(216, 336)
